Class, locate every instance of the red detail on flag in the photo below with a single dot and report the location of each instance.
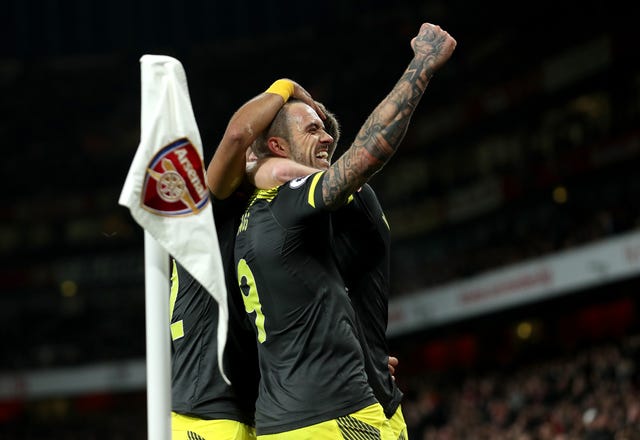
(174, 183)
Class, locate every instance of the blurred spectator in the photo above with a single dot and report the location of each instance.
(593, 395)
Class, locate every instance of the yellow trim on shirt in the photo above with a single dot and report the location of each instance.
(312, 189)
(264, 194)
(177, 328)
(175, 283)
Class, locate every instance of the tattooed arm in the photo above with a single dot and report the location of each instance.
(385, 128)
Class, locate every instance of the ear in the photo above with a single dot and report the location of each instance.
(278, 146)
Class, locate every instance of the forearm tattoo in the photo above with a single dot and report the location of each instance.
(383, 131)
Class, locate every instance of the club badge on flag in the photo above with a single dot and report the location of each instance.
(165, 189)
(174, 184)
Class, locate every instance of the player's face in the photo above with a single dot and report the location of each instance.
(309, 143)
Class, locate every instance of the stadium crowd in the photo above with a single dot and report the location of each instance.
(592, 394)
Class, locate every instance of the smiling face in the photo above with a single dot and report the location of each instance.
(308, 142)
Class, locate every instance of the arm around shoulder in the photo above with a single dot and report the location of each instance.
(274, 171)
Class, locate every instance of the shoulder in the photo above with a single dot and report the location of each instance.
(302, 195)
(301, 182)
(367, 195)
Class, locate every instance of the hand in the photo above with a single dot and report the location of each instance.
(434, 45)
(300, 93)
(392, 363)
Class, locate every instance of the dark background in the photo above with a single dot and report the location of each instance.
(537, 96)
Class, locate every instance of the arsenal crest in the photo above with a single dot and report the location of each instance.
(174, 184)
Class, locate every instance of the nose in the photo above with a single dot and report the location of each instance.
(326, 138)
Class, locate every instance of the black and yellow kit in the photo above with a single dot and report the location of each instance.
(361, 245)
(311, 361)
(198, 390)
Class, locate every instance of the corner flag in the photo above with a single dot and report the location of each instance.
(166, 190)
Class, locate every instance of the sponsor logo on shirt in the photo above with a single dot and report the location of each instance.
(298, 182)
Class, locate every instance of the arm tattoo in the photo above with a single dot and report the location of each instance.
(379, 137)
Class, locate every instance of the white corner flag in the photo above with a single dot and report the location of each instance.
(166, 190)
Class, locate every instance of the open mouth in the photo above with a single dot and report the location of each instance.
(324, 155)
(323, 158)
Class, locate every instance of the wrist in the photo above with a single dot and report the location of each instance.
(282, 87)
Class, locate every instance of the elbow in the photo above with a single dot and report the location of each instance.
(213, 186)
(240, 133)
(238, 136)
(280, 173)
(219, 190)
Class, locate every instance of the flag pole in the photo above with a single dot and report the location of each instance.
(179, 224)
(158, 359)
